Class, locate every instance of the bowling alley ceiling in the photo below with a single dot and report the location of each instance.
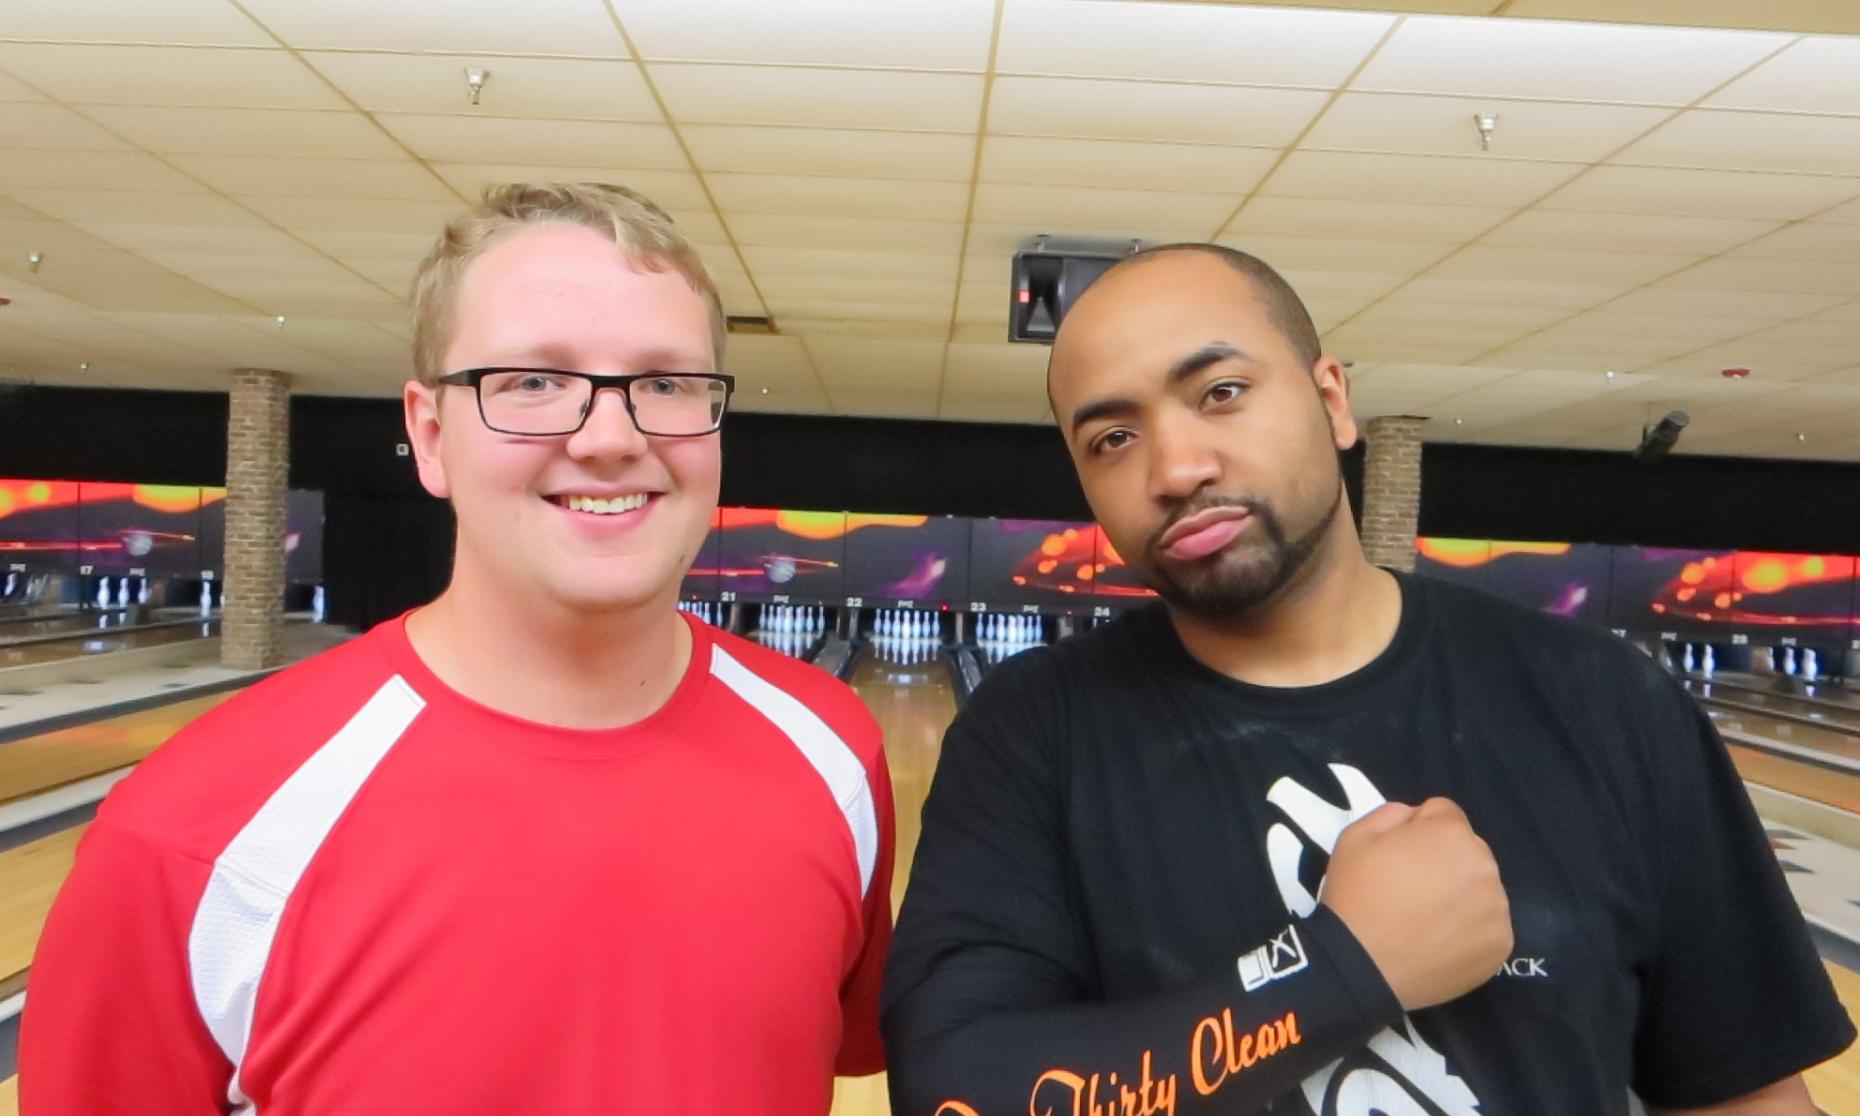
(1659, 202)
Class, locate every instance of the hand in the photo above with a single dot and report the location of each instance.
(1421, 892)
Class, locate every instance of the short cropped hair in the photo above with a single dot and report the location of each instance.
(1283, 306)
(643, 231)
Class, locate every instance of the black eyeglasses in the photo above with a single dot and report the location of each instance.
(546, 402)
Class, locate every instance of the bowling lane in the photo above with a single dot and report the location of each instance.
(1834, 717)
(1816, 696)
(59, 623)
(1818, 784)
(913, 703)
(35, 764)
(1835, 1084)
(1808, 742)
(103, 642)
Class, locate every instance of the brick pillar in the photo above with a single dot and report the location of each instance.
(258, 453)
(1392, 490)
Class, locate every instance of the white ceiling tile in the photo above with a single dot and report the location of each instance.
(1640, 232)
(1745, 302)
(1559, 265)
(547, 88)
(1805, 276)
(135, 207)
(923, 313)
(410, 246)
(1363, 219)
(236, 239)
(1004, 239)
(210, 267)
(1562, 61)
(158, 75)
(1321, 283)
(875, 364)
(669, 189)
(1152, 111)
(1040, 206)
(1427, 179)
(40, 234)
(921, 404)
(1818, 74)
(394, 274)
(363, 178)
(892, 199)
(796, 231)
(280, 294)
(1848, 213)
(1185, 42)
(12, 90)
(847, 262)
(133, 21)
(888, 100)
(1701, 193)
(240, 131)
(1753, 141)
(907, 293)
(571, 143)
(807, 328)
(1367, 342)
(1697, 331)
(1812, 240)
(388, 215)
(575, 28)
(700, 226)
(816, 151)
(1337, 255)
(1400, 310)
(92, 170)
(1397, 123)
(1191, 168)
(907, 34)
(1509, 292)
(50, 127)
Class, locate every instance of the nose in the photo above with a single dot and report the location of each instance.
(609, 431)
(1180, 464)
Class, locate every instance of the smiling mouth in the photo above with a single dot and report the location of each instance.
(595, 505)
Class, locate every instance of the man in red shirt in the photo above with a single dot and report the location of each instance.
(543, 845)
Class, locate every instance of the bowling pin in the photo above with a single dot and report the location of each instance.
(317, 601)
(1789, 660)
(1686, 664)
(206, 597)
(142, 590)
(1811, 665)
(122, 593)
(1708, 662)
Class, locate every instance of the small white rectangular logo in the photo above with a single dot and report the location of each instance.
(1280, 957)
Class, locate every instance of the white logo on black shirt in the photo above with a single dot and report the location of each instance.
(1280, 957)
(1403, 1075)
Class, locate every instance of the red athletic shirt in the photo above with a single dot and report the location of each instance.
(352, 890)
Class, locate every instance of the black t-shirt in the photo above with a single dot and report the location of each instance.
(1113, 902)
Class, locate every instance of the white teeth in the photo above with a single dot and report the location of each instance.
(597, 506)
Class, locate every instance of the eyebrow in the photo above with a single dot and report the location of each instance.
(1214, 352)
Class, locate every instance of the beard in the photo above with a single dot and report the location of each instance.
(1236, 580)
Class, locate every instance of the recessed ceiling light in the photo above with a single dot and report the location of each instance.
(33, 260)
(1459, 422)
(83, 366)
(280, 320)
(765, 391)
(1610, 373)
(1801, 437)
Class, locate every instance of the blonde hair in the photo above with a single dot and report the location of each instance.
(643, 231)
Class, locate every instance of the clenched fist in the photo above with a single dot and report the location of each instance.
(1421, 892)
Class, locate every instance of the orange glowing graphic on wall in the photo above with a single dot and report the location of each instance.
(1467, 554)
(1762, 588)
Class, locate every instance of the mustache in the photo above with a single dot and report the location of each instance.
(1252, 505)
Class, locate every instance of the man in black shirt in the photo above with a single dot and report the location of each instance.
(1169, 866)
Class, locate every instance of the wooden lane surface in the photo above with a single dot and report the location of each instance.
(913, 717)
(34, 764)
(30, 877)
(74, 648)
(1831, 788)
